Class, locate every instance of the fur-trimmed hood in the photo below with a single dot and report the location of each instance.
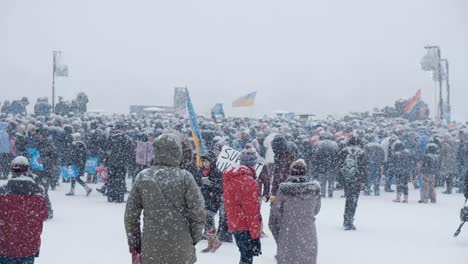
(297, 185)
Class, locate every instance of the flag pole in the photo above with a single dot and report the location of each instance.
(53, 82)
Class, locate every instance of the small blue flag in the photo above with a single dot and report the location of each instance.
(69, 172)
(91, 165)
(34, 156)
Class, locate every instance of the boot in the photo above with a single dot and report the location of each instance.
(71, 192)
(350, 227)
(88, 190)
(405, 199)
(102, 190)
(213, 241)
(398, 198)
(216, 244)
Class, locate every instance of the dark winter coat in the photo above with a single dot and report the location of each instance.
(403, 163)
(21, 144)
(292, 221)
(465, 190)
(68, 149)
(49, 153)
(281, 169)
(264, 183)
(119, 151)
(96, 143)
(462, 153)
(448, 157)
(430, 164)
(172, 205)
(79, 156)
(279, 146)
(212, 189)
(241, 201)
(376, 154)
(57, 136)
(23, 211)
(325, 158)
(362, 165)
(4, 139)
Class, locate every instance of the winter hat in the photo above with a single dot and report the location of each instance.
(210, 156)
(19, 164)
(298, 168)
(248, 157)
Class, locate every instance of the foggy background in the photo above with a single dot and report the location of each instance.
(322, 57)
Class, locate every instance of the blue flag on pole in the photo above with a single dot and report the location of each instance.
(196, 133)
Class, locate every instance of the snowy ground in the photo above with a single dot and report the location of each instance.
(88, 230)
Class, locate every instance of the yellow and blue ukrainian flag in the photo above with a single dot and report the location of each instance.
(245, 101)
(196, 133)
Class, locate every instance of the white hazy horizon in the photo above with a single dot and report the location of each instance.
(321, 57)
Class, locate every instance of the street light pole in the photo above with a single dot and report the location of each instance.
(53, 81)
(439, 79)
(447, 83)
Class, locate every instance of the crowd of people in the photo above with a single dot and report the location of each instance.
(180, 192)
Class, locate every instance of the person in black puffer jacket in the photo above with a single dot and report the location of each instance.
(120, 153)
(353, 167)
(402, 162)
(77, 158)
(212, 190)
(430, 165)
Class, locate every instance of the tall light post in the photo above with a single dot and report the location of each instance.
(447, 84)
(59, 69)
(53, 80)
(433, 63)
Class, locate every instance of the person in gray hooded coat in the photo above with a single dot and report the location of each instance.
(292, 218)
(173, 209)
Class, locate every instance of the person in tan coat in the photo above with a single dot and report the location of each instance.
(173, 209)
(292, 218)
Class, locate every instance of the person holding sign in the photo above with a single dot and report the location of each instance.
(242, 206)
(212, 190)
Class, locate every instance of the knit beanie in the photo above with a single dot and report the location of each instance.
(248, 157)
(298, 168)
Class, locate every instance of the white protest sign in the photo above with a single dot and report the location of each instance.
(229, 157)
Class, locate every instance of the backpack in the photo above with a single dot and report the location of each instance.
(349, 168)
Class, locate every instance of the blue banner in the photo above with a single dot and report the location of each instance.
(91, 165)
(69, 172)
(34, 157)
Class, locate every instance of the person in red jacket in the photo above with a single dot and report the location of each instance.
(242, 206)
(24, 210)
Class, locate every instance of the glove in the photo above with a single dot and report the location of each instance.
(136, 255)
(256, 247)
(206, 181)
(272, 199)
(266, 198)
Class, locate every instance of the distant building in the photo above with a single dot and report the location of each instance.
(180, 93)
(178, 106)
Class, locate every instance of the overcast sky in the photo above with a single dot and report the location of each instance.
(309, 56)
